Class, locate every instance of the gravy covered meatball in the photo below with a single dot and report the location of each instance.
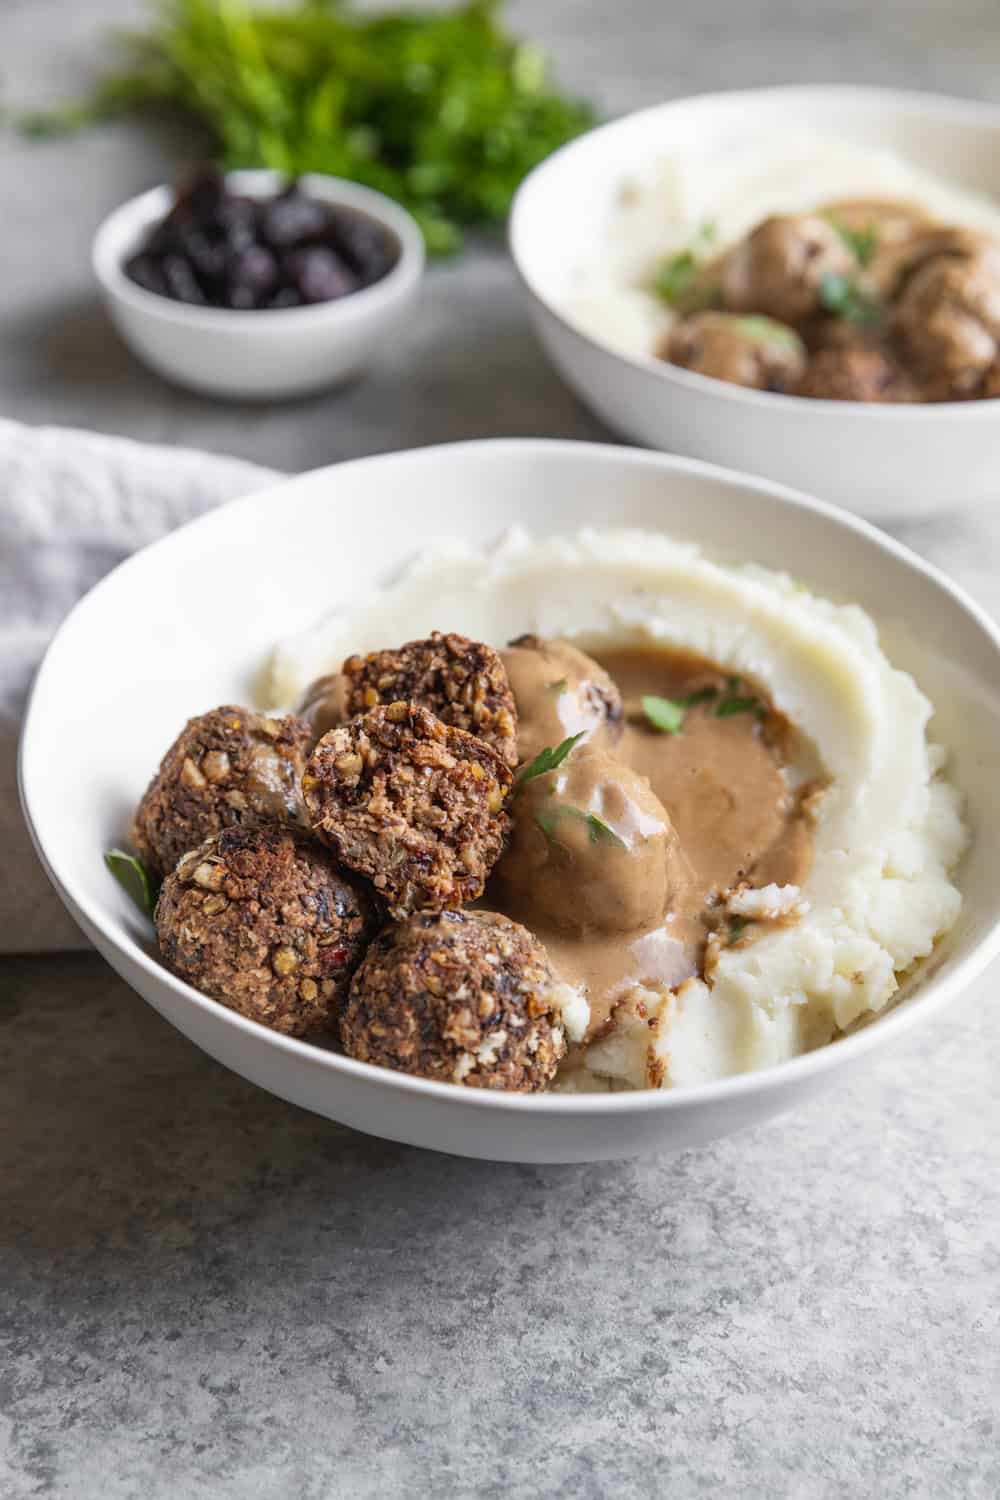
(266, 923)
(947, 321)
(779, 267)
(854, 373)
(593, 848)
(463, 682)
(463, 997)
(559, 691)
(414, 804)
(227, 768)
(745, 350)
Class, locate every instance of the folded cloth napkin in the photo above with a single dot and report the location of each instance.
(72, 505)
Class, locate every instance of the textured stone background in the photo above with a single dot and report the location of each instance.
(205, 1293)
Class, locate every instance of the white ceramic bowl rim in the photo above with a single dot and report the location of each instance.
(889, 1024)
(725, 390)
(120, 234)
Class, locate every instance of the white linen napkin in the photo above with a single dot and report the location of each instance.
(72, 505)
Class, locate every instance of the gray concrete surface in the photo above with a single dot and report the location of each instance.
(205, 1293)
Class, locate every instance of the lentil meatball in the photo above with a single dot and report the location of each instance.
(463, 682)
(414, 804)
(227, 768)
(559, 691)
(778, 268)
(750, 350)
(462, 997)
(593, 848)
(947, 320)
(265, 922)
(854, 373)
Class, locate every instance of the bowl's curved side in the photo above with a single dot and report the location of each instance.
(252, 354)
(323, 536)
(877, 460)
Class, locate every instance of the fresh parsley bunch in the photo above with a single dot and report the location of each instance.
(443, 110)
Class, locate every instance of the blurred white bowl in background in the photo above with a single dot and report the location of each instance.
(880, 460)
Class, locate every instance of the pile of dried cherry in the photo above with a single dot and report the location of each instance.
(216, 248)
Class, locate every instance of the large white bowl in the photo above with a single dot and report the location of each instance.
(185, 624)
(879, 460)
(258, 355)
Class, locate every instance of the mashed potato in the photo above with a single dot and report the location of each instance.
(665, 207)
(888, 830)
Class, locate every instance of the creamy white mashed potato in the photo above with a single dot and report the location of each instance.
(888, 829)
(662, 208)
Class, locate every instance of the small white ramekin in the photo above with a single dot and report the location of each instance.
(265, 354)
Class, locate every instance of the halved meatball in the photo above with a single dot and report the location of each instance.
(778, 269)
(266, 922)
(227, 768)
(414, 804)
(463, 997)
(463, 682)
(745, 350)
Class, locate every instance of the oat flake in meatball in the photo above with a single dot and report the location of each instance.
(265, 922)
(463, 682)
(462, 997)
(414, 804)
(226, 768)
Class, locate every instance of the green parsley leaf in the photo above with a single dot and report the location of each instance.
(737, 927)
(558, 687)
(667, 714)
(730, 706)
(840, 296)
(675, 277)
(548, 759)
(597, 830)
(766, 331)
(134, 878)
(861, 242)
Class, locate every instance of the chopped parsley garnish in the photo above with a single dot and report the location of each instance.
(737, 927)
(667, 714)
(597, 830)
(766, 331)
(861, 242)
(841, 296)
(548, 759)
(677, 275)
(133, 877)
(558, 687)
(730, 706)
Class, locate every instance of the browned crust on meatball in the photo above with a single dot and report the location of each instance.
(227, 768)
(854, 374)
(264, 921)
(463, 682)
(463, 997)
(414, 804)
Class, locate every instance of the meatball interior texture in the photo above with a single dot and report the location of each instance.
(463, 682)
(230, 767)
(266, 923)
(462, 997)
(414, 804)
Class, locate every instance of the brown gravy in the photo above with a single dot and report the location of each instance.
(622, 857)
